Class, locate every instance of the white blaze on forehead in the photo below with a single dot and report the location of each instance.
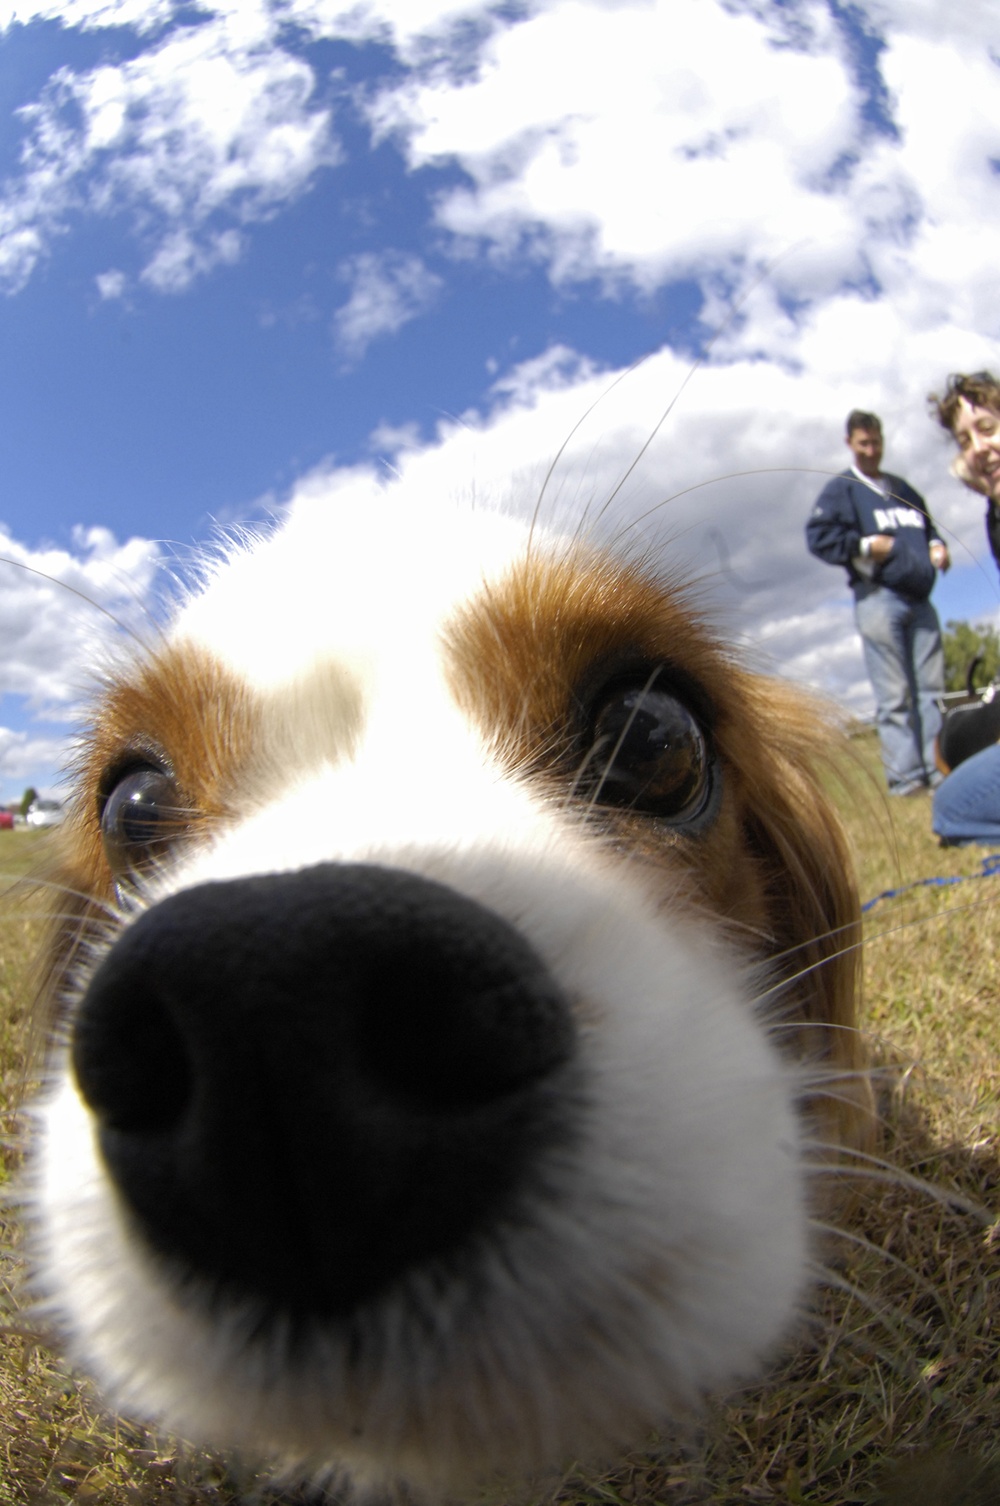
(358, 580)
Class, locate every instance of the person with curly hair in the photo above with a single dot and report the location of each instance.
(967, 804)
(970, 411)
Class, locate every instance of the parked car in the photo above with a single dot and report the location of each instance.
(6, 821)
(44, 813)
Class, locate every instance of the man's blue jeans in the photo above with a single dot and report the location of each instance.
(902, 644)
(967, 804)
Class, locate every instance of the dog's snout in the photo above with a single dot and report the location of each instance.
(359, 1055)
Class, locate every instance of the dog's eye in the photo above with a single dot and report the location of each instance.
(141, 816)
(649, 753)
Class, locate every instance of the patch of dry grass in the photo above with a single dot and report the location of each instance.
(891, 1393)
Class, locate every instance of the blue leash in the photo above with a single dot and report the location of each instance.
(989, 869)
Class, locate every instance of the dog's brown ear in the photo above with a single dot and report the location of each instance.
(814, 911)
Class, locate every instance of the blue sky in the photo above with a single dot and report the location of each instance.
(259, 249)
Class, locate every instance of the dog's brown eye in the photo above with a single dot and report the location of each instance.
(142, 815)
(649, 753)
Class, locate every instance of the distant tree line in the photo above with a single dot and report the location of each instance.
(962, 643)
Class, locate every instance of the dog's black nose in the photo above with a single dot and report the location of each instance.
(308, 1084)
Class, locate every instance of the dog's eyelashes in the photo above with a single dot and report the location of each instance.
(650, 753)
(142, 815)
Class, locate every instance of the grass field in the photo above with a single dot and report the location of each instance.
(891, 1392)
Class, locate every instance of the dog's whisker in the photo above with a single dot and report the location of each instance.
(915, 1278)
(856, 947)
(30, 916)
(560, 452)
(597, 750)
(638, 519)
(39, 881)
(886, 1174)
(90, 601)
(616, 747)
(726, 324)
(777, 1026)
(892, 1319)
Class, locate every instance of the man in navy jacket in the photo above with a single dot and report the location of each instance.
(879, 529)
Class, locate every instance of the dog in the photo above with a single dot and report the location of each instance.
(453, 980)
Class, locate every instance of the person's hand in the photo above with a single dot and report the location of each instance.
(880, 546)
(940, 558)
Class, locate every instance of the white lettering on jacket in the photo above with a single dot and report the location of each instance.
(889, 518)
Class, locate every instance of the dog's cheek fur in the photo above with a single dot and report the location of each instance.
(814, 921)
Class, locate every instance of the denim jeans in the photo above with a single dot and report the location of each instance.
(967, 805)
(902, 644)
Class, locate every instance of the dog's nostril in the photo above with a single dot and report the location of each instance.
(132, 1062)
(375, 1056)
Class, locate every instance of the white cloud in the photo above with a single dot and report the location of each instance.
(144, 15)
(391, 439)
(712, 144)
(181, 257)
(631, 141)
(212, 119)
(57, 608)
(59, 611)
(721, 146)
(388, 289)
(26, 760)
(419, 30)
(111, 284)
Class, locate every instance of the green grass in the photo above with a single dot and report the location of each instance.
(891, 1391)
